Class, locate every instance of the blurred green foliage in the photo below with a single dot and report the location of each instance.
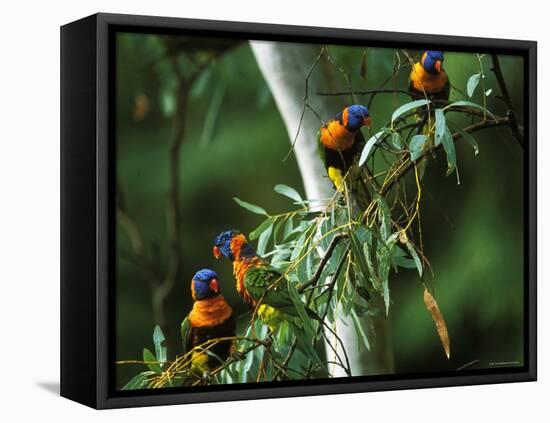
(233, 147)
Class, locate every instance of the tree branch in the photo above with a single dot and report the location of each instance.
(511, 114)
(367, 92)
(321, 266)
(457, 135)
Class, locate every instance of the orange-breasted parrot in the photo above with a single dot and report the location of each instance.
(340, 142)
(210, 318)
(428, 78)
(264, 287)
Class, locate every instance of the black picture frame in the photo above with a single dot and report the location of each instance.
(87, 218)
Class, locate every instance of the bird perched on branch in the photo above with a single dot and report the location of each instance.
(256, 280)
(340, 142)
(210, 318)
(428, 78)
(265, 288)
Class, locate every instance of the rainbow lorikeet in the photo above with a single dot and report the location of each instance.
(210, 318)
(264, 287)
(340, 142)
(428, 78)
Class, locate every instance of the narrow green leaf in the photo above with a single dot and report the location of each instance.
(359, 255)
(305, 320)
(404, 262)
(360, 331)
(384, 266)
(371, 254)
(414, 255)
(439, 126)
(303, 267)
(469, 138)
(151, 360)
(472, 83)
(289, 226)
(255, 234)
(449, 146)
(250, 207)
(288, 192)
(264, 239)
(369, 145)
(158, 339)
(385, 217)
(137, 382)
(325, 227)
(417, 146)
(406, 107)
(397, 141)
(465, 103)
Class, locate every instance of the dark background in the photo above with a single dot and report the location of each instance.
(473, 232)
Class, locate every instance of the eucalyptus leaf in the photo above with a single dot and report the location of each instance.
(439, 126)
(385, 217)
(470, 140)
(414, 255)
(255, 234)
(406, 107)
(368, 147)
(288, 192)
(264, 239)
(152, 361)
(250, 207)
(359, 255)
(416, 146)
(289, 226)
(404, 262)
(138, 381)
(361, 334)
(397, 141)
(449, 146)
(305, 320)
(158, 339)
(472, 83)
(302, 269)
(465, 103)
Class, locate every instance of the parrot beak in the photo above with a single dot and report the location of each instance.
(216, 252)
(214, 286)
(437, 66)
(367, 122)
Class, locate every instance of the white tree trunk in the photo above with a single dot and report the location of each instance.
(285, 67)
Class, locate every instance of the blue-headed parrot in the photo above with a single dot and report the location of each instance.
(428, 78)
(265, 288)
(210, 318)
(340, 142)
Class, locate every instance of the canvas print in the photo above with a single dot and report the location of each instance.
(302, 211)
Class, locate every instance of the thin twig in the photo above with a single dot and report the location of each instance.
(457, 135)
(326, 257)
(305, 103)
